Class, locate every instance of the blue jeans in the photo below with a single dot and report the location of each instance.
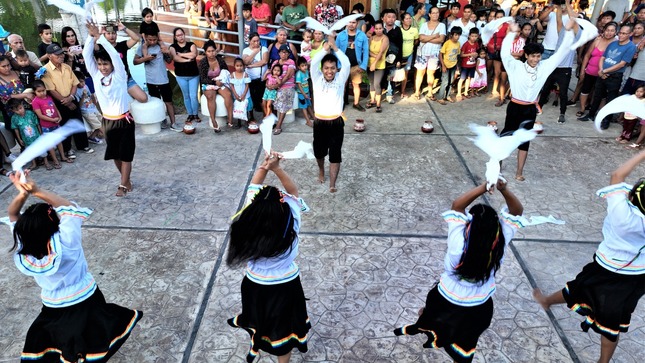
(547, 54)
(446, 82)
(189, 86)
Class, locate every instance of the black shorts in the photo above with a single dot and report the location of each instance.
(119, 137)
(162, 91)
(517, 116)
(328, 139)
(467, 73)
(588, 84)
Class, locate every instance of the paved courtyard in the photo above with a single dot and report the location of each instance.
(368, 254)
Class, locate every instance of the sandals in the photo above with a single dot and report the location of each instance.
(68, 160)
(370, 105)
(633, 146)
(277, 131)
(49, 167)
(379, 109)
(56, 166)
(580, 113)
(520, 178)
(500, 103)
(217, 130)
(121, 191)
(442, 102)
(196, 118)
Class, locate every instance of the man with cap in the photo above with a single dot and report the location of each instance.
(328, 87)
(61, 84)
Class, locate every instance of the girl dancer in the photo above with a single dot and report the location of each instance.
(264, 235)
(111, 86)
(607, 290)
(75, 323)
(460, 306)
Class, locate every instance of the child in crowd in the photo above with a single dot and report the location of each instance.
(468, 63)
(250, 25)
(49, 117)
(449, 57)
(279, 7)
(460, 306)
(90, 113)
(26, 71)
(46, 35)
(304, 97)
(157, 75)
(480, 81)
(629, 121)
(272, 78)
(25, 125)
(305, 46)
(75, 324)
(147, 26)
(240, 90)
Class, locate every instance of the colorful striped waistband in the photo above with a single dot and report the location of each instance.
(127, 116)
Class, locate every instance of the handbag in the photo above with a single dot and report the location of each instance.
(399, 75)
(239, 109)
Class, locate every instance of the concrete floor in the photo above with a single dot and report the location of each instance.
(368, 254)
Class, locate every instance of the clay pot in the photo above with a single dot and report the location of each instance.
(359, 125)
(427, 127)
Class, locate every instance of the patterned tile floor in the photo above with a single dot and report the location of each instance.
(369, 253)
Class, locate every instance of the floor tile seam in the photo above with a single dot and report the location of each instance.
(434, 236)
(211, 281)
(556, 325)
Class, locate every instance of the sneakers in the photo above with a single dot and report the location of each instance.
(604, 124)
(390, 99)
(11, 158)
(561, 119)
(164, 124)
(95, 140)
(70, 154)
(176, 128)
(571, 103)
(88, 150)
(359, 107)
(584, 118)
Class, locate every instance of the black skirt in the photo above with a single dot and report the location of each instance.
(119, 137)
(92, 330)
(275, 316)
(607, 299)
(452, 327)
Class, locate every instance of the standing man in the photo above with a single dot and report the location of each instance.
(551, 37)
(355, 44)
(464, 23)
(292, 16)
(394, 52)
(525, 13)
(262, 14)
(562, 74)
(329, 86)
(621, 8)
(326, 13)
(428, 6)
(61, 84)
(617, 56)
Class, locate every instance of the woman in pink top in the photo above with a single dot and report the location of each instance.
(591, 61)
(494, 48)
(286, 92)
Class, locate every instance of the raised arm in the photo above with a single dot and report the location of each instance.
(27, 188)
(272, 162)
(314, 69)
(345, 65)
(509, 62)
(622, 172)
(88, 55)
(119, 68)
(463, 201)
(514, 205)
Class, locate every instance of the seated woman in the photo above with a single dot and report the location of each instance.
(212, 71)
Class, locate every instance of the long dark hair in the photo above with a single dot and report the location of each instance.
(174, 34)
(33, 230)
(264, 229)
(63, 36)
(483, 245)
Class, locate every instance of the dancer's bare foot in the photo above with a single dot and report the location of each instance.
(321, 177)
(333, 189)
(540, 298)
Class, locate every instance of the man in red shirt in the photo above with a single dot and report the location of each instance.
(262, 14)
